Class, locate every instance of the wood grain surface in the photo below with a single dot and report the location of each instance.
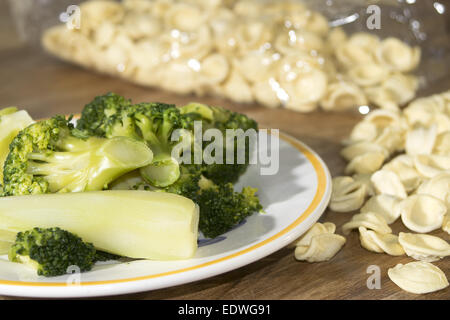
(46, 86)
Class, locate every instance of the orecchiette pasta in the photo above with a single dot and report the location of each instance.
(380, 242)
(431, 165)
(397, 55)
(413, 185)
(347, 194)
(446, 223)
(368, 74)
(388, 182)
(369, 220)
(438, 187)
(421, 140)
(342, 95)
(403, 166)
(424, 247)
(326, 67)
(316, 229)
(422, 213)
(418, 277)
(384, 205)
(321, 248)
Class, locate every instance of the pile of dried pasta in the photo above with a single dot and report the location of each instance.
(275, 53)
(399, 168)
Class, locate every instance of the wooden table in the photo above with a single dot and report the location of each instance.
(45, 86)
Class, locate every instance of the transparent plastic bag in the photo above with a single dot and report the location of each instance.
(301, 55)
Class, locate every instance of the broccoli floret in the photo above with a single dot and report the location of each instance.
(153, 123)
(156, 123)
(223, 119)
(221, 207)
(11, 122)
(51, 251)
(51, 156)
(97, 114)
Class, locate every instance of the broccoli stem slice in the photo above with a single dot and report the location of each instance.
(99, 162)
(134, 224)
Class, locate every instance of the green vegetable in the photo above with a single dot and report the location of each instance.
(134, 224)
(221, 208)
(11, 122)
(223, 119)
(112, 115)
(51, 251)
(51, 156)
(97, 114)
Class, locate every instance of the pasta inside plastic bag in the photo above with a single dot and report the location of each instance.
(241, 43)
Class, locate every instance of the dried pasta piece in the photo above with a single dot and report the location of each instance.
(388, 182)
(424, 247)
(369, 220)
(256, 66)
(214, 69)
(366, 163)
(402, 88)
(418, 277)
(335, 37)
(367, 75)
(446, 223)
(382, 98)
(139, 25)
(323, 247)
(184, 17)
(317, 229)
(363, 131)
(360, 148)
(95, 12)
(252, 35)
(424, 111)
(104, 34)
(384, 118)
(420, 140)
(397, 55)
(391, 138)
(237, 88)
(442, 144)
(422, 213)
(347, 194)
(294, 41)
(384, 205)
(364, 178)
(306, 90)
(438, 187)
(266, 93)
(349, 53)
(380, 242)
(403, 166)
(178, 77)
(343, 95)
(431, 165)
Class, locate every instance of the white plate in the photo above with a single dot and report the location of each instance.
(293, 200)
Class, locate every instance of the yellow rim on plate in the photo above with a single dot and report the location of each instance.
(321, 187)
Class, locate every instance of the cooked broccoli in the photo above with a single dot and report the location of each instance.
(155, 123)
(51, 156)
(51, 251)
(11, 122)
(223, 119)
(221, 208)
(97, 114)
